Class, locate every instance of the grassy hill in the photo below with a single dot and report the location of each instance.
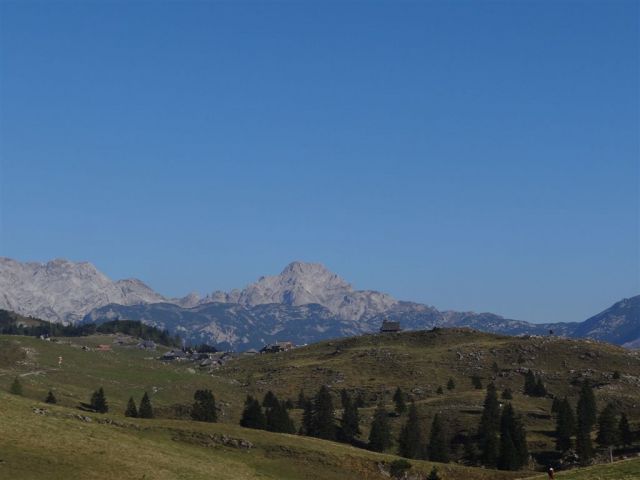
(418, 362)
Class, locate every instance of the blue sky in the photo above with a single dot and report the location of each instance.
(471, 155)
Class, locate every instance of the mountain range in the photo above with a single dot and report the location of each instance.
(304, 303)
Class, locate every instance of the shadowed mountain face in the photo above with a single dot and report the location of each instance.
(304, 303)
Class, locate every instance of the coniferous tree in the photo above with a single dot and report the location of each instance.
(131, 410)
(555, 405)
(540, 389)
(145, 410)
(476, 382)
(16, 387)
(302, 400)
(513, 443)
(99, 401)
(323, 421)
(307, 427)
(507, 394)
(586, 418)
(440, 391)
(625, 434)
(529, 383)
(277, 418)
(451, 384)
(252, 415)
(608, 427)
(360, 403)
(204, 406)
(350, 422)
(380, 433)
(488, 428)
(269, 400)
(565, 425)
(411, 441)
(50, 398)
(398, 399)
(438, 446)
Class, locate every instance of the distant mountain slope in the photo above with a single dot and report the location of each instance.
(304, 303)
(618, 324)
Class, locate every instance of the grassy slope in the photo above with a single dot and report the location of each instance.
(59, 446)
(421, 359)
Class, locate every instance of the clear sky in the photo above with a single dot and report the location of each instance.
(471, 155)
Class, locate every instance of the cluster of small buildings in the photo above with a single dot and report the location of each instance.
(204, 360)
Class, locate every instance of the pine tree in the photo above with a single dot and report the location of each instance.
(16, 387)
(131, 410)
(269, 400)
(451, 384)
(302, 400)
(398, 398)
(513, 442)
(565, 425)
(145, 410)
(555, 405)
(360, 403)
(507, 394)
(307, 427)
(50, 398)
(323, 421)
(99, 401)
(540, 389)
(278, 420)
(608, 427)
(411, 441)
(625, 434)
(204, 406)
(488, 428)
(586, 418)
(438, 446)
(252, 415)
(344, 397)
(380, 434)
(350, 422)
(476, 382)
(529, 383)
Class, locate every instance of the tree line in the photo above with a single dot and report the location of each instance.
(134, 328)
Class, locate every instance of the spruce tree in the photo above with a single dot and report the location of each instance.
(16, 387)
(302, 400)
(507, 394)
(50, 398)
(350, 422)
(540, 390)
(586, 418)
(380, 433)
(398, 399)
(323, 421)
(555, 405)
(204, 406)
(145, 410)
(99, 401)
(451, 384)
(625, 435)
(277, 418)
(513, 442)
(307, 427)
(608, 427)
(411, 441)
(269, 400)
(476, 382)
(529, 383)
(131, 410)
(438, 446)
(252, 415)
(360, 403)
(565, 425)
(440, 391)
(488, 428)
